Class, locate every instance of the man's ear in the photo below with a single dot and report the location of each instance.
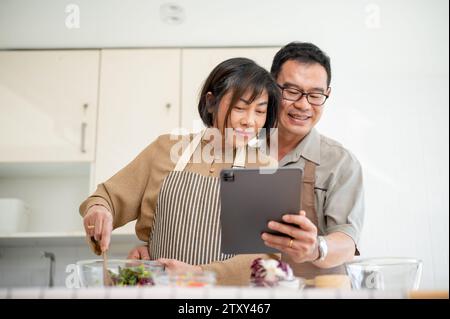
(328, 91)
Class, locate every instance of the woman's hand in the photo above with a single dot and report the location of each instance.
(301, 245)
(139, 252)
(176, 266)
(98, 224)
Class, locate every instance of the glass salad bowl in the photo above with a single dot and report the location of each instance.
(123, 272)
(385, 273)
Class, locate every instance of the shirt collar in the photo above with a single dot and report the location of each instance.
(308, 148)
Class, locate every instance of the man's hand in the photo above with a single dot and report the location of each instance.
(98, 224)
(176, 266)
(301, 245)
(139, 252)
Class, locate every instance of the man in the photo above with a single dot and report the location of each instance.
(332, 200)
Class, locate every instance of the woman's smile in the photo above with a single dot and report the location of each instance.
(244, 133)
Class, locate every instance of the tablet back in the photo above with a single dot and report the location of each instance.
(249, 199)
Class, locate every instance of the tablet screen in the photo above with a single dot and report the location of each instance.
(250, 198)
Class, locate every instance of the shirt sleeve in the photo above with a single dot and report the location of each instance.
(344, 204)
(122, 193)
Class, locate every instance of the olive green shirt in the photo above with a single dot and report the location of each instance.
(339, 183)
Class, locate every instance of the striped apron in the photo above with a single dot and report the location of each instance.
(187, 219)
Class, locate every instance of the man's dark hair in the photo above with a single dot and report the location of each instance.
(239, 76)
(302, 52)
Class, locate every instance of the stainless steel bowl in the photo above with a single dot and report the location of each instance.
(387, 273)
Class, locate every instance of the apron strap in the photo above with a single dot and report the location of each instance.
(187, 154)
(308, 192)
(307, 269)
(239, 160)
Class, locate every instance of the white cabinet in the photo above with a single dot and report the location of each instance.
(48, 113)
(48, 105)
(198, 63)
(139, 100)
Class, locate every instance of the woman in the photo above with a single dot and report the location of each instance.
(176, 199)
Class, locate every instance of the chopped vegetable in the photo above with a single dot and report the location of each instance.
(132, 276)
(270, 272)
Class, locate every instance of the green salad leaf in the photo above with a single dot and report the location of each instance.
(132, 276)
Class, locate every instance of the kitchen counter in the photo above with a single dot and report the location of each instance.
(195, 293)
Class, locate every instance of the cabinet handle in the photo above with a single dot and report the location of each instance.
(83, 137)
(168, 106)
(83, 130)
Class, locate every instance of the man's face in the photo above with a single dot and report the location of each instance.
(299, 117)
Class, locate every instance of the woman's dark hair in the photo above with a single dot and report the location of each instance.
(302, 52)
(239, 76)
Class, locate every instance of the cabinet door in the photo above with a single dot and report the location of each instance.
(198, 63)
(48, 105)
(139, 100)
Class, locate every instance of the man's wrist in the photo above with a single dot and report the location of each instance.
(316, 252)
(323, 248)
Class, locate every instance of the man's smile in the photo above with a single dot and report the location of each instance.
(298, 117)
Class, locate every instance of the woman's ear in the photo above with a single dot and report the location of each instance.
(210, 102)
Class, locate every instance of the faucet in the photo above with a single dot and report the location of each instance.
(51, 256)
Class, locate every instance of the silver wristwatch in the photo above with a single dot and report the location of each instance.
(323, 247)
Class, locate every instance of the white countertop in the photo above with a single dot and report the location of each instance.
(194, 293)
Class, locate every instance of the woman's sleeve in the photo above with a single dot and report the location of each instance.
(236, 270)
(122, 193)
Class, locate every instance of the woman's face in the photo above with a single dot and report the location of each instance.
(245, 119)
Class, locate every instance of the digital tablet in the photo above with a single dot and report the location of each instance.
(251, 198)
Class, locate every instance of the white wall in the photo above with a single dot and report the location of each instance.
(390, 89)
(115, 23)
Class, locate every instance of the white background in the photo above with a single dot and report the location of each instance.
(389, 102)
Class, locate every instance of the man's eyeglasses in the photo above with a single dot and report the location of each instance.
(294, 95)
